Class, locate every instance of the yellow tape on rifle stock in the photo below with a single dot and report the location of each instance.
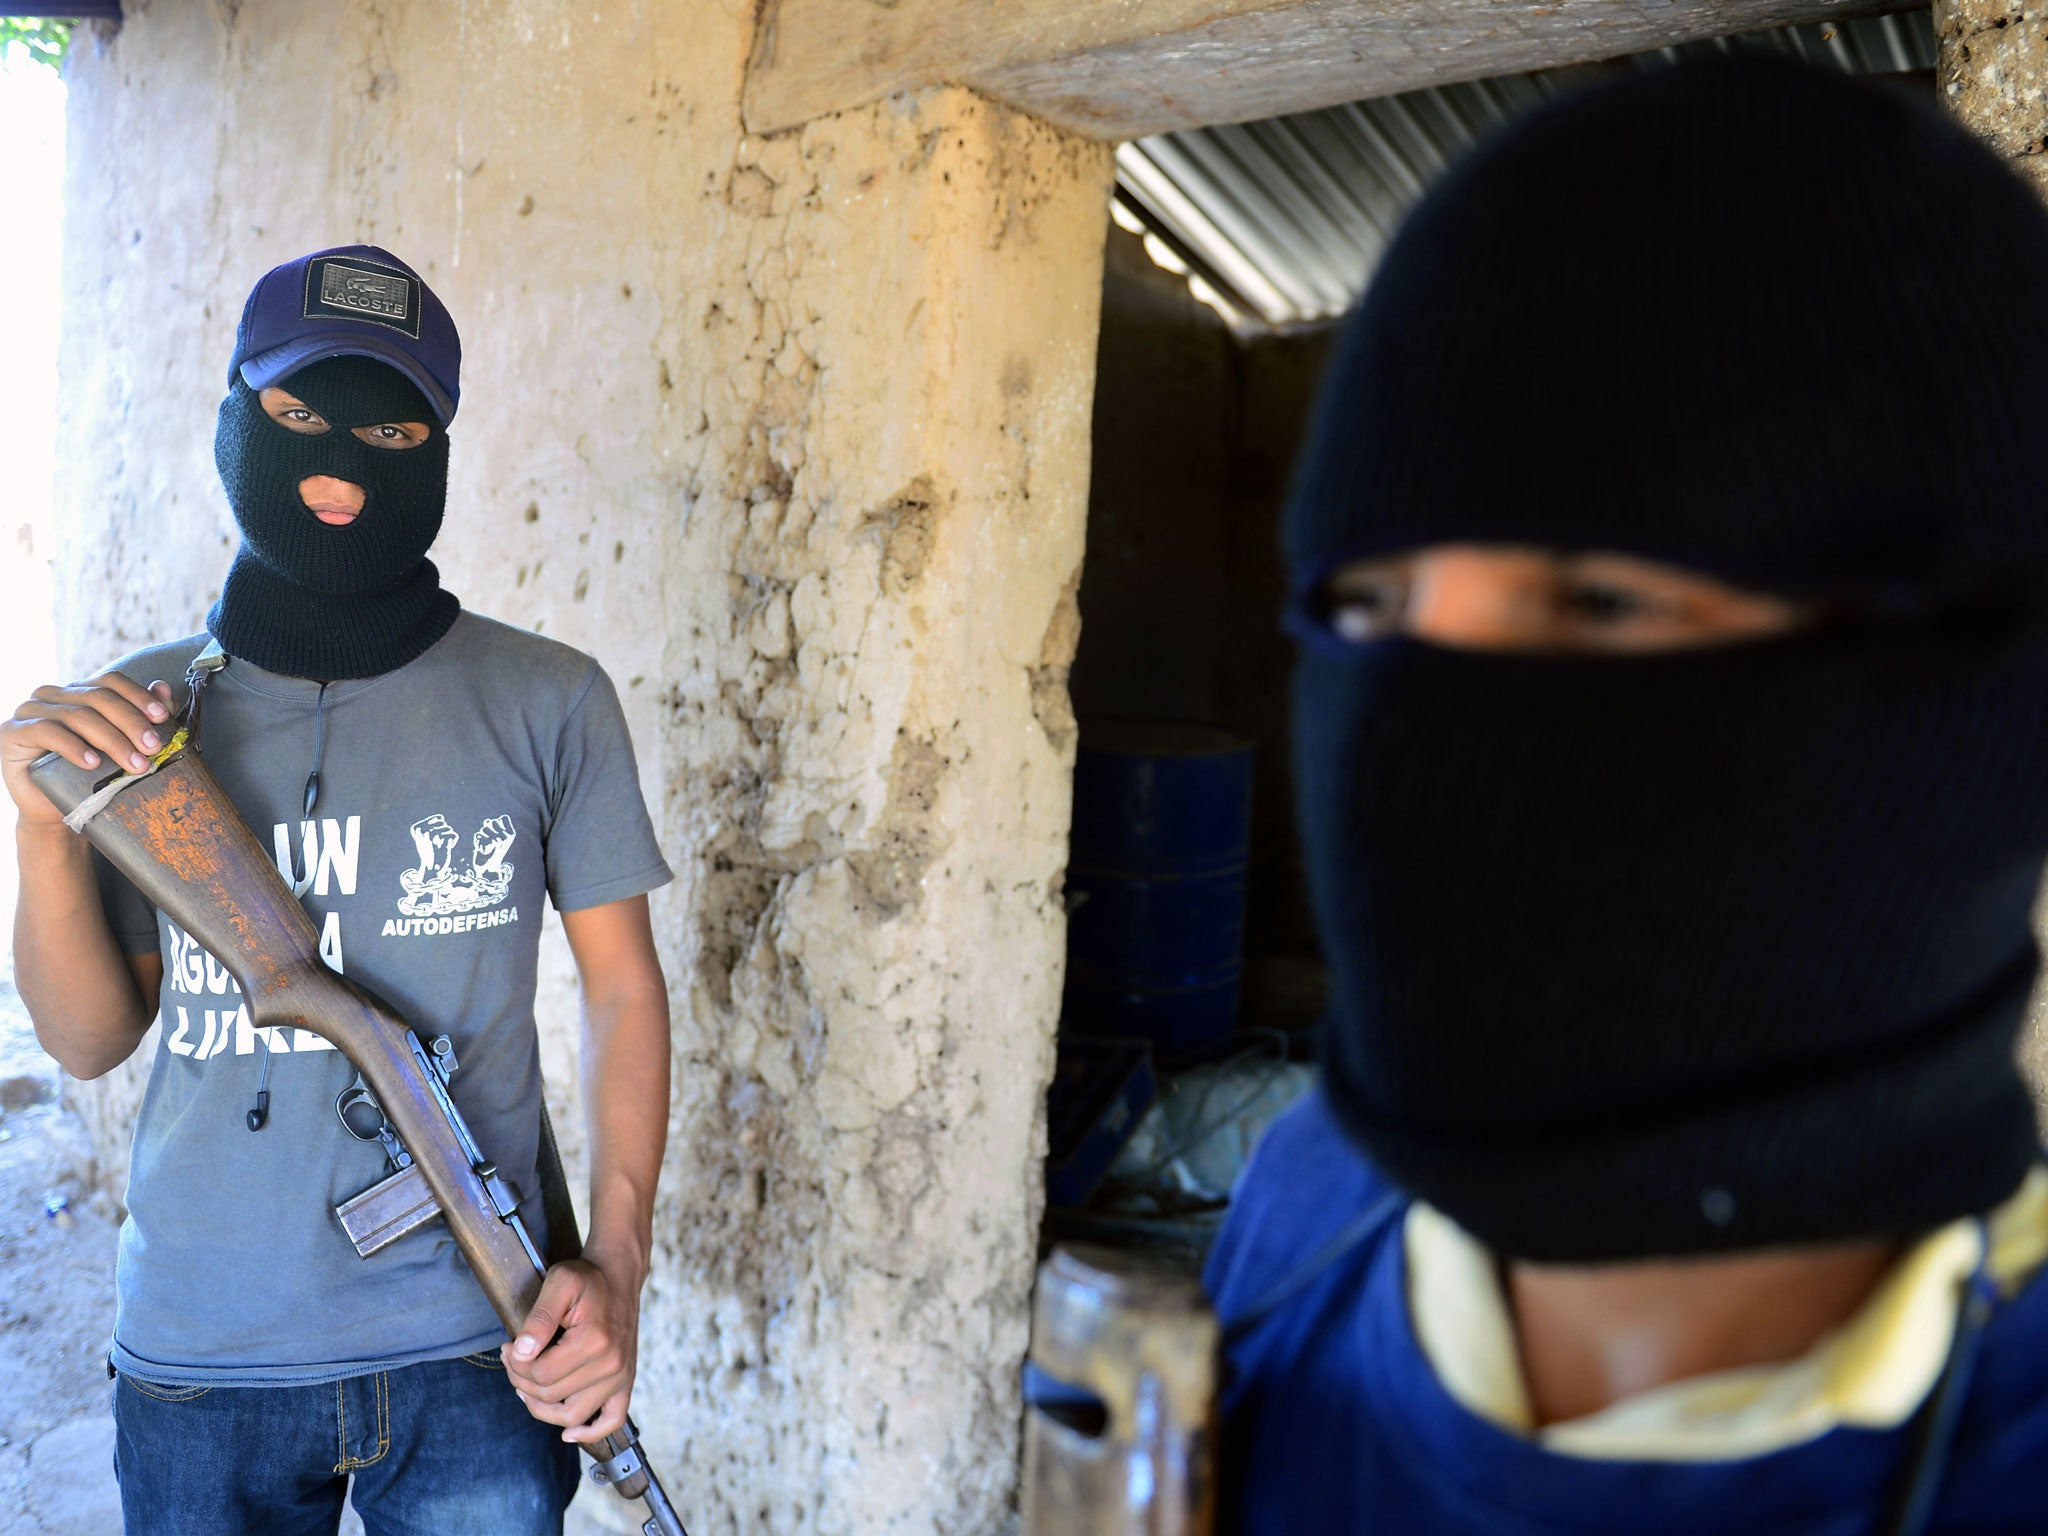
(93, 803)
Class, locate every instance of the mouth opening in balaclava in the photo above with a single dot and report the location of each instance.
(309, 599)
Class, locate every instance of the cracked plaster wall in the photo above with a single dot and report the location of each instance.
(791, 433)
(1992, 69)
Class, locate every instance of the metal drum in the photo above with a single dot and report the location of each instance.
(1155, 882)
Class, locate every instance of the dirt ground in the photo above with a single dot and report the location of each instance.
(56, 1303)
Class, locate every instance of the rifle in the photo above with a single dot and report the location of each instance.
(172, 830)
(1119, 1391)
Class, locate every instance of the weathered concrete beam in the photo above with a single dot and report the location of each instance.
(1126, 69)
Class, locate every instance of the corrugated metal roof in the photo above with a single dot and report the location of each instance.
(1280, 222)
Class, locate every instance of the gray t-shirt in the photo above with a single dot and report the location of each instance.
(455, 793)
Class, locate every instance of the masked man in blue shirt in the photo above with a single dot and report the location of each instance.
(1670, 564)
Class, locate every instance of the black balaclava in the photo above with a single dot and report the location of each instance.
(1718, 949)
(310, 600)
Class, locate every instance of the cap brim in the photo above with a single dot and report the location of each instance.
(268, 368)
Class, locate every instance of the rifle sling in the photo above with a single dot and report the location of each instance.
(557, 1206)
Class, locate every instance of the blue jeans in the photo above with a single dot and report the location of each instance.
(440, 1449)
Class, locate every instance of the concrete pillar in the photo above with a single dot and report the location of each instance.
(793, 434)
(1993, 74)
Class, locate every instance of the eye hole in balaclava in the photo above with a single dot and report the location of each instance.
(263, 462)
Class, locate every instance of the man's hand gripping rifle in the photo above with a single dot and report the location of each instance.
(173, 832)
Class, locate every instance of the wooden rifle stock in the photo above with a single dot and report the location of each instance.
(176, 836)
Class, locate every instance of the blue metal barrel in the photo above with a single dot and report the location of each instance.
(1155, 882)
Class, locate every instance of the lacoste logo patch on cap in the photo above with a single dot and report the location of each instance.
(355, 290)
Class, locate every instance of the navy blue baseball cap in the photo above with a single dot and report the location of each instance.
(350, 301)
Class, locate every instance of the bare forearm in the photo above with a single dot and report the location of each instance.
(72, 975)
(625, 1102)
(583, 1380)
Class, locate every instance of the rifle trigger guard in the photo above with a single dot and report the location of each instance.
(354, 1106)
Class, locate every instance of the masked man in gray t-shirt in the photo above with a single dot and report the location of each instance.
(427, 778)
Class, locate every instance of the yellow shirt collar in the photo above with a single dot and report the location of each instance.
(1871, 1373)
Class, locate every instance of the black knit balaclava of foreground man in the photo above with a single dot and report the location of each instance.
(307, 599)
(1713, 949)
